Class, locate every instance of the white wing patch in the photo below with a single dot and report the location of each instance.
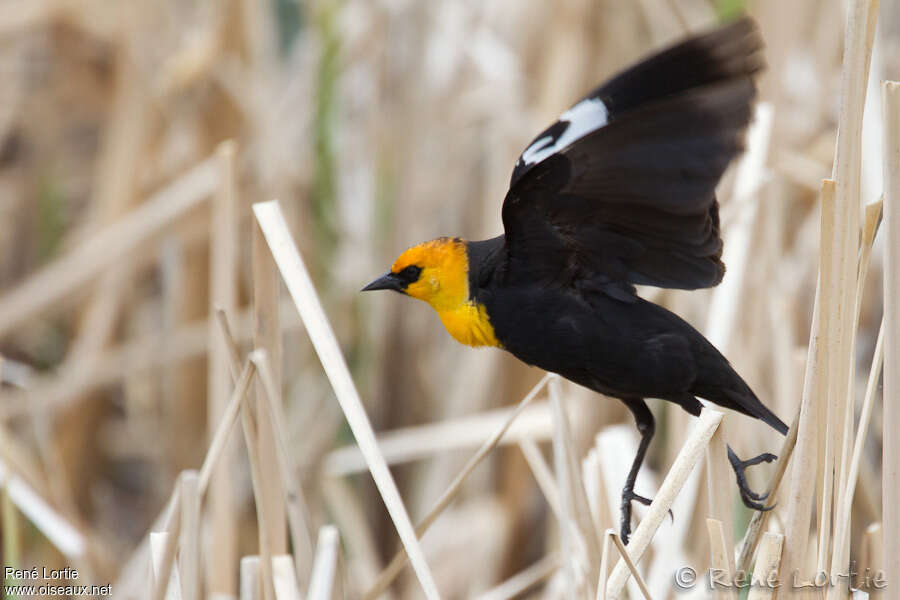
(583, 118)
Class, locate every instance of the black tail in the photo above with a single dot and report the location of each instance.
(752, 407)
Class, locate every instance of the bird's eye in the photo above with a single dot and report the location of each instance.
(410, 274)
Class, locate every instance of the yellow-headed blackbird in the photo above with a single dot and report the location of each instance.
(619, 191)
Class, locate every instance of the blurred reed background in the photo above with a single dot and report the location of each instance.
(377, 124)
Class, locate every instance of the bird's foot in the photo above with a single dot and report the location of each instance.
(627, 496)
(750, 498)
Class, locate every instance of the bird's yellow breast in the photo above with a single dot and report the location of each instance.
(469, 324)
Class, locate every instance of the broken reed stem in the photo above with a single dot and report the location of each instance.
(399, 561)
(159, 547)
(223, 554)
(285, 578)
(765, 573)
(891, 418)
(721, 557)
(263, 518)
(803, 474)
(302, 291)
(173, 528)
(719, 475)
(324, 568)
(250, 584)
(267, 337)
(675, 479)
(189, 543)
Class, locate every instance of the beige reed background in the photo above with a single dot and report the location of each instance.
(139, 436)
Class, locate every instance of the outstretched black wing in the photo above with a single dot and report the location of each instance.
(621, 190)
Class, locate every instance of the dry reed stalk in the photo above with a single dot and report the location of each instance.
(225, 425)
(605, 565)
(190, 64)
(891, 417)
(573, 500)
(250, 426)
(52, 392)
(721, 562)
(721, 508)
(325, 565)
(267, 336)
(840, 557)
(595, 488)
(64, 536)
(223, 557)
(166, 581)
(116, 185)
(612, 536)
(285, 578)
(52, 283)
(292, 495)
(189, 544)
(765, 573)
(11, 544)
(859, 35)
(727, 298)
(759, 519)
(524, 580)
(690, 453)
(231, 346)
(549, 488)
(300, 286)
(871, 556)
(411, 443)
(358, 538)
(250, 582)
(292, 500)
(542, 475)
(399, 560)
(131, 575)
(803, 474)
(162, 547)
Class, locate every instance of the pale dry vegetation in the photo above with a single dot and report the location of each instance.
(163, 409)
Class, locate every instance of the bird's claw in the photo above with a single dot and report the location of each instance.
(627, 496)
(750, 498)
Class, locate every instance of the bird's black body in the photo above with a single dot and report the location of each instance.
(620, 191)
(629, 349)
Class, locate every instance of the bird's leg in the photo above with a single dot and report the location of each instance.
(750, 498)
(646, 426)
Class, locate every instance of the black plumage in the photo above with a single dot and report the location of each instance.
(632, 202)
(621, 191)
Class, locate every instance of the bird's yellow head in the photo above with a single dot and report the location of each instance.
(437, 272)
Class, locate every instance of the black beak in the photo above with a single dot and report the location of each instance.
(388, 281)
